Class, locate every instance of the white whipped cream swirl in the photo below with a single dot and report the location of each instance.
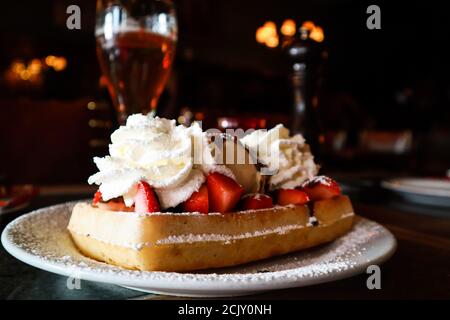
(288, 158)
(157, 151)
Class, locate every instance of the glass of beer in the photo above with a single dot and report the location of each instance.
(135, 46)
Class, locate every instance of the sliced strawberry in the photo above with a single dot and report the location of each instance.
(292, 196)
(198, 202)
(257, 201)
(97, 198)
(224, 193)
(145, 200)
(321, 188)
(116, 204)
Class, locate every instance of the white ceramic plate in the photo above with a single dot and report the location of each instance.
(428, 191)
(41, 240)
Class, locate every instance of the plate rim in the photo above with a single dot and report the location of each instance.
(204, 283)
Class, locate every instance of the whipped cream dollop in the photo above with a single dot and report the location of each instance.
(287, 159)
(172, 159)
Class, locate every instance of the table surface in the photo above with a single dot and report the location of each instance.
(420, 268)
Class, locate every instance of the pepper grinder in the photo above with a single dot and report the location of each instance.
(305, 56)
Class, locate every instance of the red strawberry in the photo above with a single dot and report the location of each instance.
(97, 198)
(198, 202)
(292, 196)
(145, 200)
(321, 188)
(116, 204)
(256, 201)
(224, 193)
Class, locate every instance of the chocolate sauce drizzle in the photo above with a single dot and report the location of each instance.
(314, 222)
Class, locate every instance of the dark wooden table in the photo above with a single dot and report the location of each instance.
(419, 269)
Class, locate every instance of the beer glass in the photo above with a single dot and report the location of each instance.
(135, 47)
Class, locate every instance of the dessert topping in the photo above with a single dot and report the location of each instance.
(292, 196)
(224, 193)
(172, 159)
(198, 202)
(97, 198)
(287, 158)
(321, 188)
(257, 201)
(145, 199)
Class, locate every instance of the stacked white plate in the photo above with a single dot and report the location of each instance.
(427, 191)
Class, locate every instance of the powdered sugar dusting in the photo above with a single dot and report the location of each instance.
(228, 238)
(42, 235)
(324, 180)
